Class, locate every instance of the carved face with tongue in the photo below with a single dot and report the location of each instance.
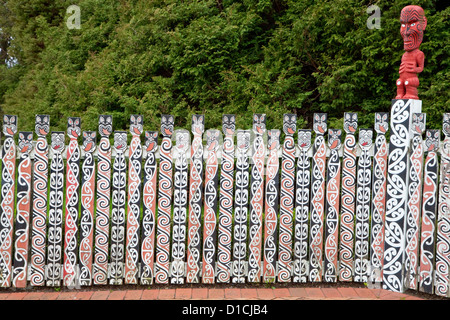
(9, 125)
(57, 141)
(73, 127)
(42, 125)
(413, 24)
(136, 125)
(25, 141)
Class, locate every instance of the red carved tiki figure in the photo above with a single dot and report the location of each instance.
(413, 24)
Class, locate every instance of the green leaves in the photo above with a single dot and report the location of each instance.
(214, 57)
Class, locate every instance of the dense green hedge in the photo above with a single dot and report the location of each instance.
(213, 57)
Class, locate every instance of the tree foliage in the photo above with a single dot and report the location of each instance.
(213, 57)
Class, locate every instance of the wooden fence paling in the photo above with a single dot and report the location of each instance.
(134, 200)
(256, 199)
(332, 206)
(195, 201)
(317, 198)
(364, 180)
(348, 198)
(287, 199)
(378, 198)
(55, 213)
(302, 208)
(429, 206)
(118, 196)
(272, 196)
(210, 207)
(21, 228)
(433, 238)
(226, 200)
(443, 225)
(149, 206)
(241, 206)
(103, 201)
(8, 198)
(414, 211)
(87, 209)
(180, 196)
(72, 202)
(165, 187)
(40, 201)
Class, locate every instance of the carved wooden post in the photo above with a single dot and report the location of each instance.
(429, 210)
(397, 192)
(256, 199)
(149, 204)
(118, 197)
(195, 201)
(134, 200)
(317, 198)
(40, 202)
(332, 206)
(22, 225)
(72, 201)
(102, 220)
(348, 198)
(287, 199)
(241, 206)
(443, 227)
(378, 198)
(272, 198)
(364, 180)
(8, 198)
(180, 196)
(87, 208)
(55, 213)
(302, 196)
(210, 207)
(414, 210)
(165, 187)
(226, 200)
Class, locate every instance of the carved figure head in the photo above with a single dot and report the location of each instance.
(105, 125)
(89, 139)
(42, 125)
(151, 141)
(413, 24)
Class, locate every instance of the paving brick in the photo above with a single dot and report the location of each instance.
(133, 294)
(183, 293)
(249, 293)
(100, 295)
(281, 292)
(365, 293)
(200, 293)
(33, 295)
(298, 292)
(117, 295)
(50, 296)
(69, 295)
(314, 293)
(216, 293)
(331, 293)
(166, 294)
(150, 294)
(232, 293)
(84, 295)
(348, 292)
(265, 293)
(3, 296)
(17, 296)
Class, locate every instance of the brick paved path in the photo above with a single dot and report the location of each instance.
(303, 293)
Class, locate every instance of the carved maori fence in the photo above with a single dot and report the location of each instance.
(339, 207)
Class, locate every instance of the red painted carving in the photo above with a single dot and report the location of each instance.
(413, 24)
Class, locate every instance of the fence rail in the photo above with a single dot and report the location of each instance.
(344, 206)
